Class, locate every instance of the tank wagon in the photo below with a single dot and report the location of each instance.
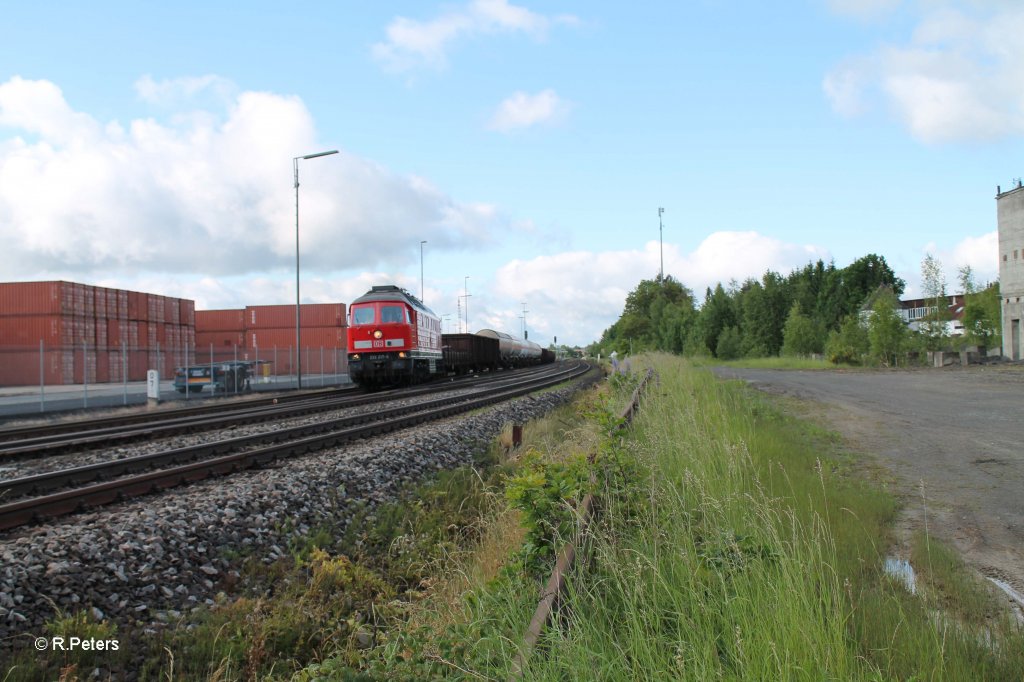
(514, 352)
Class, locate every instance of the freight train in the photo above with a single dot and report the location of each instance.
(394, 339)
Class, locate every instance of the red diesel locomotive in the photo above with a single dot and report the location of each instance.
(392, 338)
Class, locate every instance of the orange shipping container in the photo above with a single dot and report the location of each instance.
(187, 312)
(282, 316)
(327, 338)
(36, 298)
(52, 330)
(230, 320)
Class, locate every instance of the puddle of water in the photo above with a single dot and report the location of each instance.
(1013, 594)
(902, 571)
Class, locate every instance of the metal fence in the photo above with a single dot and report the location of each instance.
(25, 369)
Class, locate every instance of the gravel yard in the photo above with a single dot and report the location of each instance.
(953, 439)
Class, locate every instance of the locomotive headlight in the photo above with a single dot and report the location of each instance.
(401, 353)
(355, 356)
(378, 334)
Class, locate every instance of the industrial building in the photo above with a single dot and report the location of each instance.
(1010, 212)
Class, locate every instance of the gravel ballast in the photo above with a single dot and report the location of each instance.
(155, 559)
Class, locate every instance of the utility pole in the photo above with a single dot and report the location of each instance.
(661, 244)
(466, 294)
(422, 242)
(524, 319)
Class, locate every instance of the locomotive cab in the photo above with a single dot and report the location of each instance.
(392, 339)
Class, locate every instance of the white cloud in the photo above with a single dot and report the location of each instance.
(176, 90)
(577, 295)
(956, 78)
(523, 110)
(412, 43)
(209, 192)
(979, 252)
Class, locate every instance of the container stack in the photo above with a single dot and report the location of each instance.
(267, 332)
(67, 333)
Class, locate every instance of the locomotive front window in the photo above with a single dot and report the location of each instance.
(391, 313)
(363, 315)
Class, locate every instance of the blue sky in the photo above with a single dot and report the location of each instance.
(529, 144)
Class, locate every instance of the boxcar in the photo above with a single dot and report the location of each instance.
(469, 353)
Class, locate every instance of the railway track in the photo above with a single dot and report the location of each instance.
(185, 465)
(220, 406)
(75, 436)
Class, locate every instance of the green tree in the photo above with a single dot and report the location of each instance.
(886, 331)
(849, 344)
(983, 317)
(728, 347)
(800, 335)
(717, 313)
(933, 285)
(764, 306)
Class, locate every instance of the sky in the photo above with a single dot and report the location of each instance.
(150, 146)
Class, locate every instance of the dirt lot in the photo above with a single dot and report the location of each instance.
(957, 432)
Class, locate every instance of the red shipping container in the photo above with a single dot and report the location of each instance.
(111, 307)
(27, 331)
(114, 330)
(21, 368)
(133, 334)
(101, 335)
(36, 298)
(187, 312)
(158, 334)
(136, 309)
(137, 365)
(100, 306)
(114, 365)
(89, 300)
(281, 316)
(230, 320)
(328, 338)
(102, 367)
(219, 340)
(122, 304)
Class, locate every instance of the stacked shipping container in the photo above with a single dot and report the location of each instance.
(267, 332)
(89, 333)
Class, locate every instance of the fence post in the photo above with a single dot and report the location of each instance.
(124, 374)
(275, 363)
(321, 366)
(42, 380)
(85, 374)
(234, 371)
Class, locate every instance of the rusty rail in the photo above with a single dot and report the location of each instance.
(556, 584)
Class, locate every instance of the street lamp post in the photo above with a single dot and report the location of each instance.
(661, 245)
(298, 326)
(422, 242)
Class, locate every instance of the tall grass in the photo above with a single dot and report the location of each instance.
(747, 553)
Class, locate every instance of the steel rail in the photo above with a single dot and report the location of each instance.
(558, 581)
(55, 480)
(107, 435)
(219, 406)
(28, 510)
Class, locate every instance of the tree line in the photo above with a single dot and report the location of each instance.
(848, 314)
